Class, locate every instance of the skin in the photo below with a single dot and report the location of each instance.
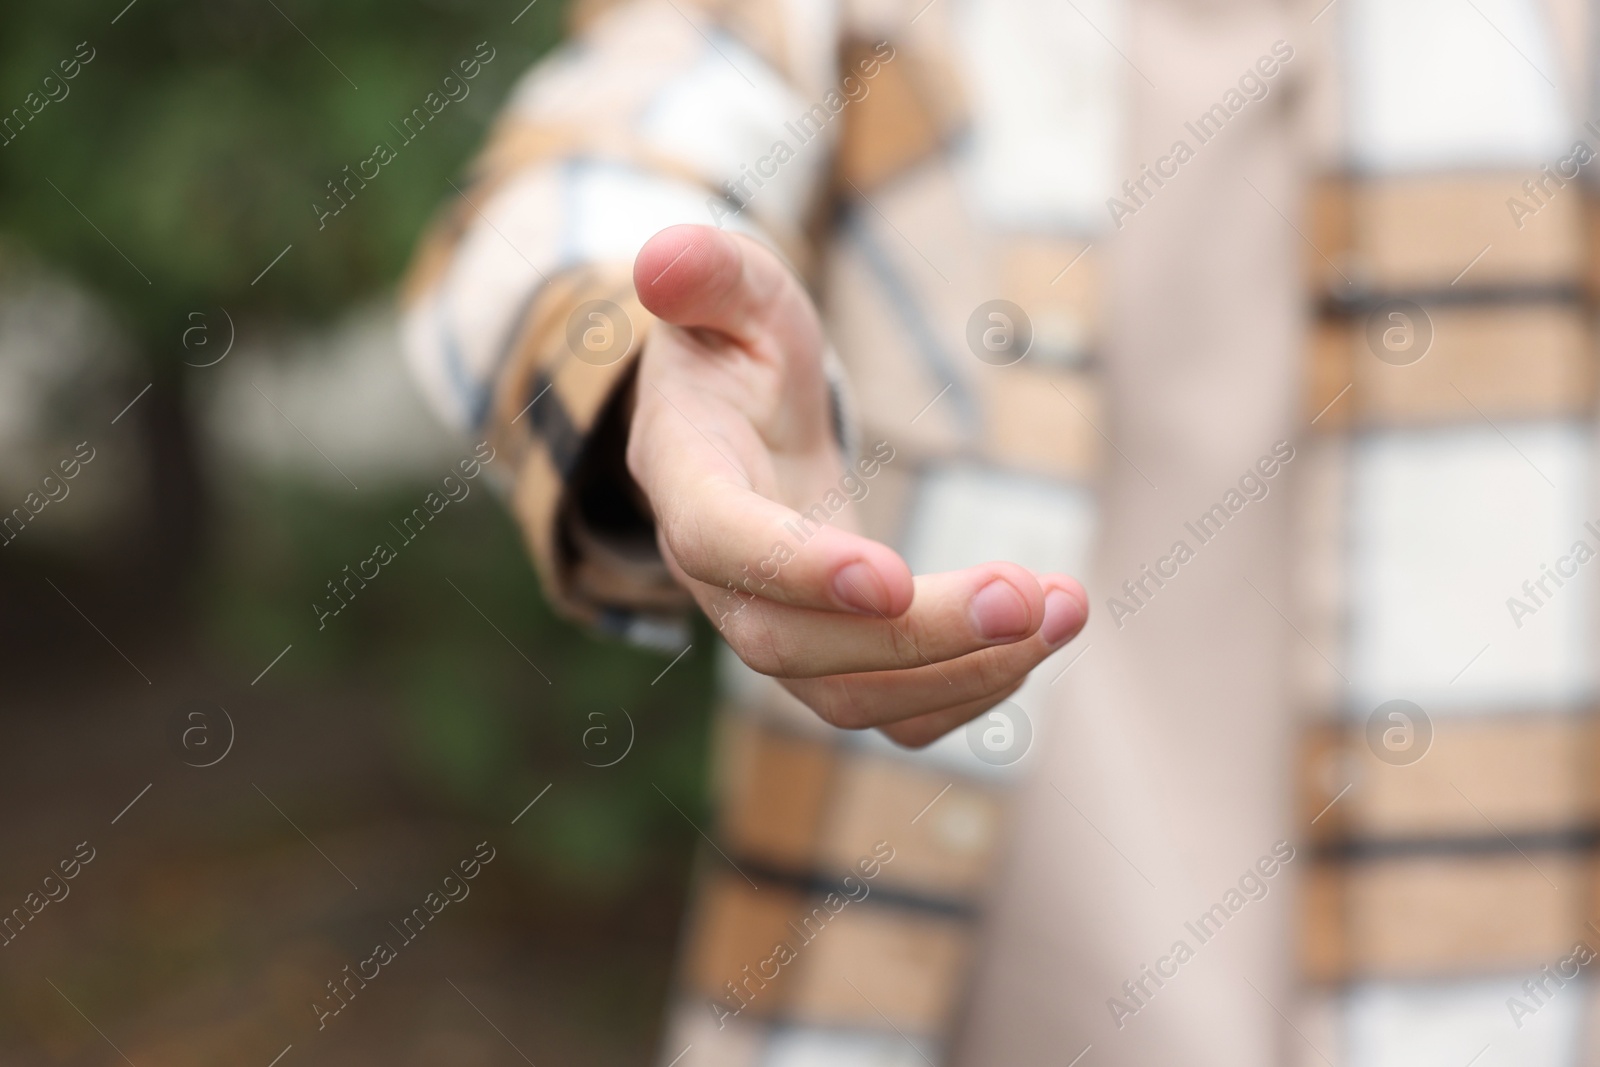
(731, 436)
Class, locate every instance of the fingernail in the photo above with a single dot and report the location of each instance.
(857, 586)
(1063, 615)
(999, 612)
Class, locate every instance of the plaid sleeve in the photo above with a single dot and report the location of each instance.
(520, 320)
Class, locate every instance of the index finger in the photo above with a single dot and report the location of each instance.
(725, 535)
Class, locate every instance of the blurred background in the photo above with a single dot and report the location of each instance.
(217, 791)
(169, 303)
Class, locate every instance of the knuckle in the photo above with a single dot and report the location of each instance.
(996, 698)
(673, 528)
(723, 612)
(838, 705)
(994, 673)
(902, 646)
(754, 641)
(686, 538)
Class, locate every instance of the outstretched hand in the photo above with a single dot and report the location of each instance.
(732, 437)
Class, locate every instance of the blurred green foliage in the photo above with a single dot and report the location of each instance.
(476, 729)
(201, 133)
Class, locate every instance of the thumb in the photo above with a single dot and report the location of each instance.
(702, 277)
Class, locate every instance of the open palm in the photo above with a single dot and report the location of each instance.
(732, 438)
